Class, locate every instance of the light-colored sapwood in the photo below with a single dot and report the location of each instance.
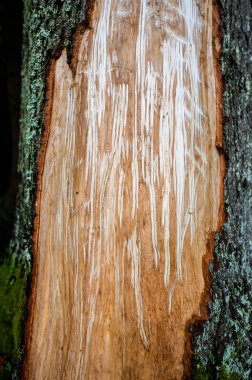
(129, 190)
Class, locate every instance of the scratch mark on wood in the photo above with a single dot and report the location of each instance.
(130, 191)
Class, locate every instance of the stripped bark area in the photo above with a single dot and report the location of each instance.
(130, 188)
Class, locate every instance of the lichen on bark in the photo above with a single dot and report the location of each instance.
(223, 344)
(48, 26)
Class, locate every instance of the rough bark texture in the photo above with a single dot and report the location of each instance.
(223, 346)
(10, 63)
(47, 26)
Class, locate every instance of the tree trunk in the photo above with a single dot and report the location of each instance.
(121, 189)
(129, 191)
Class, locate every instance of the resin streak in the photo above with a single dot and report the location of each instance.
(130, 191)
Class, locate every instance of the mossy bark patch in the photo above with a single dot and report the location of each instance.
(13, 286)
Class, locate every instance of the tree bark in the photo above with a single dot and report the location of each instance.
(220, 345)
(223, 344)
(129, 189)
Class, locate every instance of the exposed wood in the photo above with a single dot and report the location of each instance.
(129, 189)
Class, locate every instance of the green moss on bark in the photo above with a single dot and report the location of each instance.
(223, 344)
(13, 301)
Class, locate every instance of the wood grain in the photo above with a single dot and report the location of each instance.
(129, 190)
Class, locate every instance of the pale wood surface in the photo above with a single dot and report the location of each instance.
(129, 191)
